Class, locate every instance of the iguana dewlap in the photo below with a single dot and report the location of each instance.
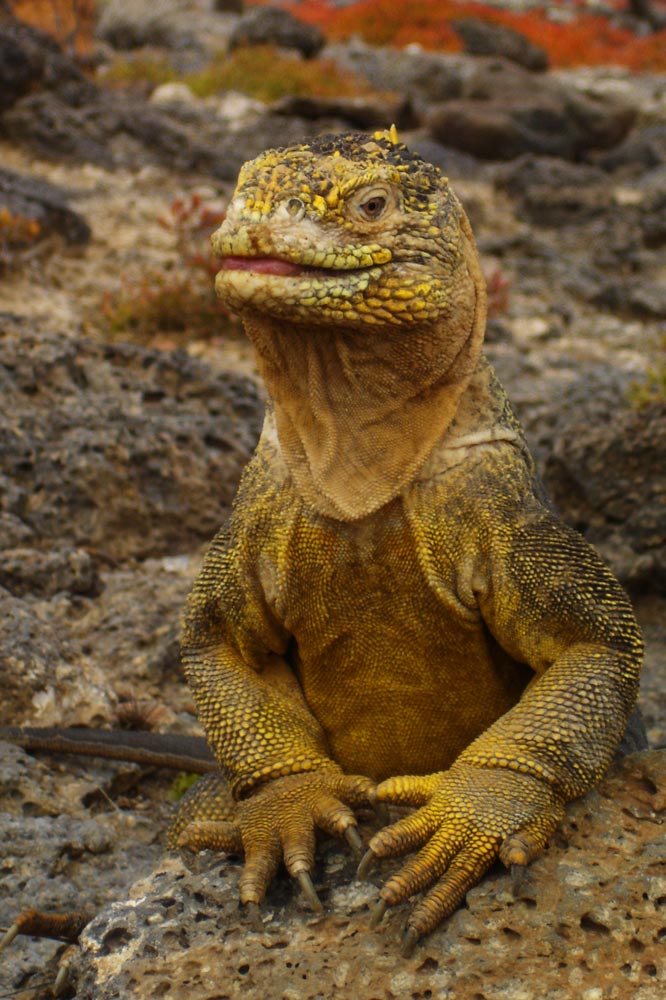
(393, 600)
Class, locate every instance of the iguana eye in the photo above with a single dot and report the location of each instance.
(374, 206)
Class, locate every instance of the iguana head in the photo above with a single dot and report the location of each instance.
(354, 269)
(351, 229)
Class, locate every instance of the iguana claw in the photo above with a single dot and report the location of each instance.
(365, 865)
(377, 914)
(12, 932)
(353, 838)
(308, 890)
(253, 911)
(409, 941)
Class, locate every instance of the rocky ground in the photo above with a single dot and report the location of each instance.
(118, 460)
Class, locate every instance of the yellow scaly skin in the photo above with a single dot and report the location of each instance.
(444, 635)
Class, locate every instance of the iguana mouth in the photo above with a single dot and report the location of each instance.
(263, 265)
(280, 266)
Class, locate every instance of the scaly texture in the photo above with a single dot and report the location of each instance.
(393, 599)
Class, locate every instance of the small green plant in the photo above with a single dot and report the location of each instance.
(141, 70)
(178, 301)
(261, 72)
(181, 784)
(17, 234)
(652, 387)
(266, 74)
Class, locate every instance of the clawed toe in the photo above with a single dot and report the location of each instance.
(409, 942)
(365, 866)
(353, 838)
(253, 911)
(377, 914)
(308, 890)
(58, 926)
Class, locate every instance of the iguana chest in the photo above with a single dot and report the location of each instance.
(399, 677)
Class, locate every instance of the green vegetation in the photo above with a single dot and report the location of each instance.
(261, 72)
(652, 388)
(181, 784)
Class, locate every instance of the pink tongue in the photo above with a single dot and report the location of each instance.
(265, 265)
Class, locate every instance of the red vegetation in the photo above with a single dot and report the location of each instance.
(193, 221)
(164, 306)
(70, 21)
(585, 40)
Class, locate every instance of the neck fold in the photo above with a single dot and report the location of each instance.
(359, 411)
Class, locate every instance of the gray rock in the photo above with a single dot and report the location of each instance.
(483, 38)
(358, 112)
(607, 477)
(114, 130)
(31, 58)
(588, 915)
(68, 840)
(505, 112)
(32, 654)
(450, 161)
(143, 22)
(552, 192)
(46, 204)
(19, 69)
(274, 26)
(643, 149)
(29, 571)
(423, 77)
(128, 451)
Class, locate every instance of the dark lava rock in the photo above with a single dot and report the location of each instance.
(358, 112)
(32, 656)
(632, 297)
(114, 447)
(228, 6)
(29, 571)
(552, 192)
(643, 149)
(114, 130)
(505, 112)
(61, 852)
(483, 38)
(19, 69)
(60, 114)
(423, 77)
(607, 476)
(274, 26)
(588, 916)
(132, 26)
(450, 161)
(33, 198)
(31, 58)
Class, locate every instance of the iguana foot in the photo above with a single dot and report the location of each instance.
(58, 926)
(277, 822)
(468, 817)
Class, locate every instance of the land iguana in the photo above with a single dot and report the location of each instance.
(394, 613)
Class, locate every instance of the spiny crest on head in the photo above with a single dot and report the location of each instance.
(332, 165)
(383, 146)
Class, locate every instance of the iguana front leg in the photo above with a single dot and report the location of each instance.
(550, 602)
(280, 782)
